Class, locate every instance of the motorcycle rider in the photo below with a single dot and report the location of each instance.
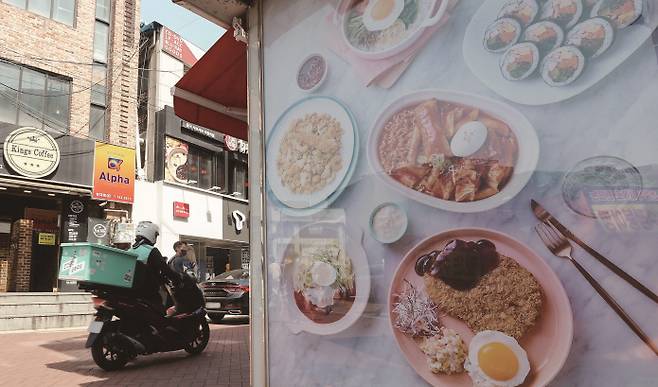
(153, 270)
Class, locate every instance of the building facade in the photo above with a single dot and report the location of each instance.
(68, 88)
(195, 179)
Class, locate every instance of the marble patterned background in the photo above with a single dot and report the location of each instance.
(617, 117)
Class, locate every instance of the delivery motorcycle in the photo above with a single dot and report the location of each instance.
(126, 326)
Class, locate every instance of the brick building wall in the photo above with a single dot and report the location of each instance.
(32, 40)
(5, 241)
(20, 261)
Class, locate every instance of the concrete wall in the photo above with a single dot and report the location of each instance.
(154, 202)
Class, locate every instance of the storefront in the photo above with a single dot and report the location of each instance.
(200, 192)
(46, 187)
(446, 129)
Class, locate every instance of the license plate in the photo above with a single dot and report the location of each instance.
(213, 305)
(95, 327)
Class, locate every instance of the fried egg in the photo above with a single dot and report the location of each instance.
(495, 359)
(381, 14)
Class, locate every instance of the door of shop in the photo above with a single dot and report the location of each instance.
(44, 262)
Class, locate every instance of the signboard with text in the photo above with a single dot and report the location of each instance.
(114, 173)
(174, 45)
(181, 210)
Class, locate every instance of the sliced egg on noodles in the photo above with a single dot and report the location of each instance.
(381, 14)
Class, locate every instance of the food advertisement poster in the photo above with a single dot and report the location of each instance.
(176, 154)
(461, 192)
(114, 173)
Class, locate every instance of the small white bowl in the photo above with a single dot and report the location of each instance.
(401, 231)
(320, 81)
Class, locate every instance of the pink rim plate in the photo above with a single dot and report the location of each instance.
(547, 344)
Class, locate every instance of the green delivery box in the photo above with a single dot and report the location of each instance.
(90, 262)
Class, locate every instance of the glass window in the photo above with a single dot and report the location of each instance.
(103, 10)
(40, 7)
(18, 3)
(101, 34)
(33, 87)
(193, 167)
(9, 84)
(97, 123)
(238, 178)
(57, 104)
(205, 170)
(98, 87)
(220, 171)
(64, 11)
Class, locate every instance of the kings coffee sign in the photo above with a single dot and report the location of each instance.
(31, 152)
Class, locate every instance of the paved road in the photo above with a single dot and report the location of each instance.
(58, 358)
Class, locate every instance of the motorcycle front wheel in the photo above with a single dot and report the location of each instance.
(201, 338)
(108, 354)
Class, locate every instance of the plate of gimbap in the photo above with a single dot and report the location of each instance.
(536, 52)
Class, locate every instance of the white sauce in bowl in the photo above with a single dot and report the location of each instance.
(388, 223)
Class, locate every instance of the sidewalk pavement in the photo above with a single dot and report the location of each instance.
(58, 358)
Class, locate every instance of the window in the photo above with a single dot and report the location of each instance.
(98, 87)
(57, 104)
(97, 119)
(238, 176)
(32, 98)
(9, 84)
(103, 10)
(40, 7)
(97, 123)
(194, 166)
(64, 11)
(101, 35)
(60, 10)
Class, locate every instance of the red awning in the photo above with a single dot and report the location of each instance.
(213, 93)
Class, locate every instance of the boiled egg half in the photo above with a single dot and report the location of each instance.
(495, 359)
(468, 139)
(323, 274)
(381, 14)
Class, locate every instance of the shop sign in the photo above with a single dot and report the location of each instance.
(114, 173)
(174, 45)
(200, 130)
(236, 145)
(47, 239)
(31, 152)
(75, 221)
(181, 210)
(99, 231)
(238, 220)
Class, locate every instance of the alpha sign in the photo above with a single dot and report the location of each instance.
(31, 152)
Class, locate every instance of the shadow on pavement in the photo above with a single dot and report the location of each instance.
(165, 369)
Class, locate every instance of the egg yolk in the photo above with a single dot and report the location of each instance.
(498, 361)
(382, 8)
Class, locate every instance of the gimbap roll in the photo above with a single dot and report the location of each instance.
(622, 13)
(525, 11)
(563, 12)
(562, 66)
(502, 34)
(593, 36)
(546, 34)
(520, 61)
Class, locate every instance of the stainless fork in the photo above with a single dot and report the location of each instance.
(560, 247)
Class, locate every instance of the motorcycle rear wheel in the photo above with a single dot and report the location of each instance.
(201, 338)
(108, 355)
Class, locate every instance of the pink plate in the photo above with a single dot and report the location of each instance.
(547, 344)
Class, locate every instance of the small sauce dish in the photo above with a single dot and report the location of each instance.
(388, 223)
